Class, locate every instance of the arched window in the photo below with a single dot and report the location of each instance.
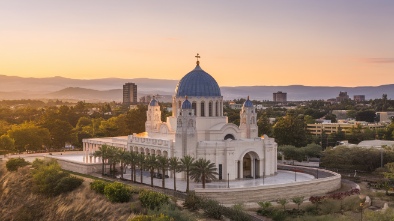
(229, 136)
(217, 108)
(202, 109)
(210, 108)
(194, 107)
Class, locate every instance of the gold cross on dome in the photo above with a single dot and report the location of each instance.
(197, 56)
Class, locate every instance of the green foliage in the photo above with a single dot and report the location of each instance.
(212, 208)
(172, 211)
(202, 171)
(186, 165)
(283, 202)
(14, 163)
(136, 207)
(192, 201)
(67, 184)
(291, 130)
(160, 217)
(98, 186)
(38, 163)
(28, 136)
(152, 200)
(298, 200)
(117, 192)
(49, 179)
(388, 215)
(354, 158)
(7, 143)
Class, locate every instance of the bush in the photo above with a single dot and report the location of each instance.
(49, 179)
(67, 184)
(212, 208)
(192, 201)
(160, 217)
(14, 163)
(98, 186)
(38, 163)
(172, 211)
(330, 206)
(152, 200)
(117, 192)
(136, 207)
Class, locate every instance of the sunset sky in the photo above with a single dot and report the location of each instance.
(315, 42)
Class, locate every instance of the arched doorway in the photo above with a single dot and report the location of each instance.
(249, 166)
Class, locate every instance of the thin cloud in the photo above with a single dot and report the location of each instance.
(378, 60)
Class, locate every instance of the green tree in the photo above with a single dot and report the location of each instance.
(283, 202)
(102, 152)
(186, 165)
(151, 164)
(298, 200)
(7, 144)
(141, 164)
(162, 163)
(28, 136)
(291, 130)
(202, 171)
(60, 132)
(264, 125)
(174, 166)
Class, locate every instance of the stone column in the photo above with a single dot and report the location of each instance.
(241, 169)
(214, 108)
(198, 108)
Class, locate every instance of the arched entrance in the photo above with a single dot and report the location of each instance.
(229, 136)
(249, 166)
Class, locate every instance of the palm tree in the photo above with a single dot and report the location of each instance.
(162, 163)
(103, 153)
(174, 166)
(141, 163)
(123, 156)
(186, 165)
(203, 170)
(132, 161)
(151, 163)
(113, 158)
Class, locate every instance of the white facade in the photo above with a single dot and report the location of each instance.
(198, 128)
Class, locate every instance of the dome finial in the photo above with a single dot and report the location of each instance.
(185, 97)
(197, 56)
(248, 97)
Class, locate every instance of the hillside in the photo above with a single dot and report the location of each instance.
(110, 89)
(17, 202)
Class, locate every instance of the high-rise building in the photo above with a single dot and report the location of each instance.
(359, 98)
(342, 96)
(280, 96)
(129, 94)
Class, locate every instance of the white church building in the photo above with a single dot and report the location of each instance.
(199, 128)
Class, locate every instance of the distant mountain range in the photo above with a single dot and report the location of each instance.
(110, 89)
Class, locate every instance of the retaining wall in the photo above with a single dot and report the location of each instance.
(78, 167)
(330, 182)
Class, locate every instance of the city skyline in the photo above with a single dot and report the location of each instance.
(315, 43)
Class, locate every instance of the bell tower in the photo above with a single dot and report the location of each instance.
(248, 120)
(186, 132)
(153, 116)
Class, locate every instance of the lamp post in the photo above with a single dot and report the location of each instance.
(295, 175)
(228, 180)
(263, 177)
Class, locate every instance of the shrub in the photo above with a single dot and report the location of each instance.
(136, 207)
(278, 215)
(117, 192)
(67, 184)
(236, 213)
(14, 163)
(49, 179)
(152, 200)
(38, 163)
(330, 206)
(172, 211)
(160, 217)
(212, 208)
(192, 201)
(98, 186)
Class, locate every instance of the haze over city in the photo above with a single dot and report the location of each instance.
(317, 43)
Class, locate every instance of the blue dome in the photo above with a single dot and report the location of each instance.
(186, 105)
(154, 102)
(197, 83)
(248, 103)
